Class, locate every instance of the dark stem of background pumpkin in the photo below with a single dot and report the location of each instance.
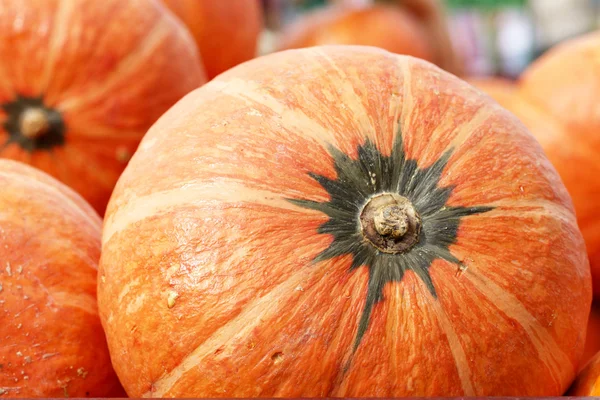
(391, 223)
(32, 125)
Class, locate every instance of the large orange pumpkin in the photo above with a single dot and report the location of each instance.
(556, 100)
(416, 28)
(81, 81)
(342, 221)
(52, 343)
(226, 32)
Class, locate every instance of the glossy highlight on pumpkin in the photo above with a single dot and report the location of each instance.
(240, 269)
(81, 81)
(52, 343)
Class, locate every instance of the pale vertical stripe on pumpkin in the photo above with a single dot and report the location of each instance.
(60, 32)
(131, 63)
(223, 191)
(462, 132)
(82, 301)
(349, 97)
(94, 222)
(252, 316)
(250, 93)
(460, 358)
(551, 355)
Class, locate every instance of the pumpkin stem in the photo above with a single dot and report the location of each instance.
(391, 223)
(34, 123)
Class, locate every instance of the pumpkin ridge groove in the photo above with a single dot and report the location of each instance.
(360, 182)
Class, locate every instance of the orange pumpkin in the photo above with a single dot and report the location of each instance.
(556, 100)
(52, 341)
(588, 381)
(414, 28)
(226, 32)
(500, 89)
(342, 221)
(81, 81)
(592, 337)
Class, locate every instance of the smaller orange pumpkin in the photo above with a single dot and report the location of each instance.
(226, 31)
(415, 28)
(52, 343)
(592, 338)
(587, 382)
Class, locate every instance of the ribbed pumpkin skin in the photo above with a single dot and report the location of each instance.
(52, 341)
(556, 100)
(109, 68)
(222, 274)
(226, 32)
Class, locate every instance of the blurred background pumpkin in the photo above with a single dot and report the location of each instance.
(226, 31)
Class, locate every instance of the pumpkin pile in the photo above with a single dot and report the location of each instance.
(324, 221)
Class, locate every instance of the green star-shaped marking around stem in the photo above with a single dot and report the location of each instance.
(357, 181)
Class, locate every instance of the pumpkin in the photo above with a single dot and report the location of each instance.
(588, 381)
(226, 32)
(555, 99)
(592, 337)
(341, 221)
(83, 80)
(500, 89)
(52, 341)
(416, 28)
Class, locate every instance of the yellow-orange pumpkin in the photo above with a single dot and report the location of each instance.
(342, 221)
(51, 340)
(226, 32)
(81, 81)
(415, 27)
(556, 99)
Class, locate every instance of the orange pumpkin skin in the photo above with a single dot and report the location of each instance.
(101, 72)
(588, 381)
(388, 27)
(592, 337)
(555, 99)
(232, 270)
(52, 341)
(396, 28)
(226, 32)
(500, 89)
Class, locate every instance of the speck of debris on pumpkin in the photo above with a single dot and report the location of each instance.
(27, 359)
(82, 372)
(171, 299)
